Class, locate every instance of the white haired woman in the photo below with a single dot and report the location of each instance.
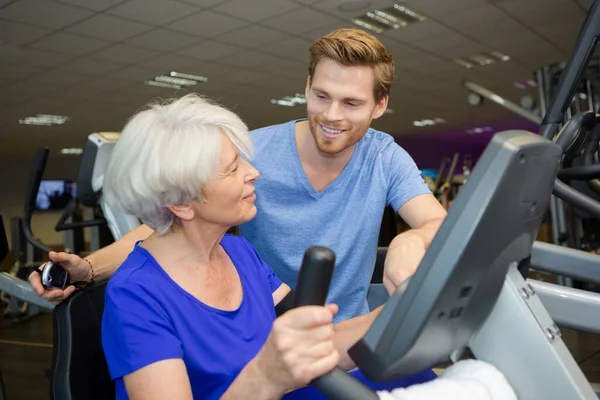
(190, 313)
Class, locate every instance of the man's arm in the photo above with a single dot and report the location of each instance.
(106, 260)
(350, 331)
(346, 333)
(102, 264)
(424, 214)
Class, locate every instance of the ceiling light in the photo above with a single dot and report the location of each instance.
(525, 84)
(189, 76)
(463, 62)
(479, 130)
(290, 101)
(44, 120)
(176, 80)
(482, 59)
(428, 122)
(72, 150)
(388, 111)
(394, 17)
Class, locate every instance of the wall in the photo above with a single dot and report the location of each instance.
(14, 177)
(429, 147)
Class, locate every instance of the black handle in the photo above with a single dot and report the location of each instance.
(311, 289)
(582, 51)
(39, 164)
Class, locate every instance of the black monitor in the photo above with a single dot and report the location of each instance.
(54, 195)
(492, 224)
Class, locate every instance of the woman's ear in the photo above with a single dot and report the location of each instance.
(184, 212)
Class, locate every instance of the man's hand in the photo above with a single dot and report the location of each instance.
(403, 257)
(78, 269)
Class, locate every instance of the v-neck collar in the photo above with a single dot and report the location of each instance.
(341, 179)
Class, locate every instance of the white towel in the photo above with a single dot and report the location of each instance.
(464, 380)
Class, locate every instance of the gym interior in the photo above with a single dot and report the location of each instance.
(73, 72)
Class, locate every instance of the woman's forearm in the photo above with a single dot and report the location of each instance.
(252, 382)
(106, 260)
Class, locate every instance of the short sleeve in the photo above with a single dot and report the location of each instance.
(135, 330)
(274, 281)
(404, 177)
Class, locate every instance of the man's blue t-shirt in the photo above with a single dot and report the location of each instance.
(346, 216)
(148, 317)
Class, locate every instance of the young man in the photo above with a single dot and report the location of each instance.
(325, 181)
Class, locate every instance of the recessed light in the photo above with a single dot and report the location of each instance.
(477, 130)
(290, 101)
(176, 80)
(394, 17)
(72, 150)
(44, 120)
(428, 122)
(388, 111)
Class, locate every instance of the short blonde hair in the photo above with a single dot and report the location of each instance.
(353, 47)
(167, 153)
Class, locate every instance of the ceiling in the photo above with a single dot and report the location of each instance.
(87, 59)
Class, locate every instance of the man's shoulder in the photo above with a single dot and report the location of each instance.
(266, 132)
(379, 142)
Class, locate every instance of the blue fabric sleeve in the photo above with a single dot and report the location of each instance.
(136, 332)
(274, 281)
(405, 179)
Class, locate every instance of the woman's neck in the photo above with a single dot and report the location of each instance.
(186, 245)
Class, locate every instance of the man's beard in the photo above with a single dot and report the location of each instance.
(348, 138)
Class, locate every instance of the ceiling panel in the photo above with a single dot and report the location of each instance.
(256, 10)
(252, 36)
(19, 34)
(437, 8)
(478, 14)
(92, 4)
(249, 59)
(295, 48)
(12, 71)
(109, 28)
(89, 66)
(31, 57)
(163, 40)
(437, 42)
(171, 62)
(417, 31)
(70, 44)
(209, 50)
(207, 24)
(59, 78)
(155, 12)
(43, 13)
(300, 20)
(121, 53)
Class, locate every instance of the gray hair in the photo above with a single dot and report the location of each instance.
(167, 153)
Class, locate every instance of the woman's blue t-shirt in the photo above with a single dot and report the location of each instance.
(148, 317)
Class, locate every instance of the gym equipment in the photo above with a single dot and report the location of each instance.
(3, 254)
(469, 291)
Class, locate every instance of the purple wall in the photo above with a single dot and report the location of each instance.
(428, 148)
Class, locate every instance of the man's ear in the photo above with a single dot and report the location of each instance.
(307, 88)
(380, 107)
(184, 211)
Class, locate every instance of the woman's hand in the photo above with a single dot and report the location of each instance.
(78, 269)
(300, 347)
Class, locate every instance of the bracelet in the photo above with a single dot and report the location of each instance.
(92, 269)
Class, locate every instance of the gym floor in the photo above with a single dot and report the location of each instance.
(26, 352)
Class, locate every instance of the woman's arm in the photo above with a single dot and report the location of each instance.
(166, 379)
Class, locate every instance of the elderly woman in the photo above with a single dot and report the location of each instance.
(191, 311)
